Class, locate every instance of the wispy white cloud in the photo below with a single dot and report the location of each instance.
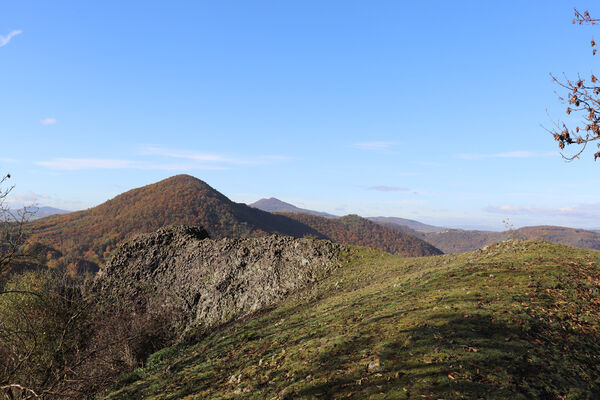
(509, 154)
(26, 198)
(48, 121)
(383, 188)
(160, 158)
(185, 154)
(211, 157)
(4, 40)
(31, 199)
(375, 145)
(8, 160)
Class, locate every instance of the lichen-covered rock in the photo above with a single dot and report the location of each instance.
(211, 281)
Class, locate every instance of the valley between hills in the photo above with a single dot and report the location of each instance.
(173, 291)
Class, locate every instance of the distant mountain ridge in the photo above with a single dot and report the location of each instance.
(275, 205)
(412, 224)
(456, 240)
(45, 211)
(35, 212)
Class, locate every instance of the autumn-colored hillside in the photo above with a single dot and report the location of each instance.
(557, 234)
(181, 199)
(355, 230)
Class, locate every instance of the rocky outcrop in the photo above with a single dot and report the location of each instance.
(209, 281)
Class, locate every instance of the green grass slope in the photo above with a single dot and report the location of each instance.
(519, 320)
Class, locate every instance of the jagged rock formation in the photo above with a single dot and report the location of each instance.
(212, 281)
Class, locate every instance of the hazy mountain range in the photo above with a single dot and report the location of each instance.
(461, 240)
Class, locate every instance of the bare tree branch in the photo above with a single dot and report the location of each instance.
(32, 394)
(582, 101)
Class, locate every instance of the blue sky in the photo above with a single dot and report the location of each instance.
(429, 111)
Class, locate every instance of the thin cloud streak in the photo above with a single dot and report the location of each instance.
(182, 161)
(48, 121)
(211, 158)
(383, 188)
(4, 40)
(26, 198)
(163, 152)
(32, 199)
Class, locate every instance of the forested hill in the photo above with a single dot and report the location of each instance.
(355, 230)
(92, 234)
(181, 199)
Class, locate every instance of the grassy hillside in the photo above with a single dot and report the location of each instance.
(358, 231)
(519, 320)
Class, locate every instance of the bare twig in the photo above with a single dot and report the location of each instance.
(32, 393)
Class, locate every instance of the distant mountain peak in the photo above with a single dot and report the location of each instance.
(273, 204)
(394, 222)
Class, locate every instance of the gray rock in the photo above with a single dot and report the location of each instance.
(374, 365)
(212, 281)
